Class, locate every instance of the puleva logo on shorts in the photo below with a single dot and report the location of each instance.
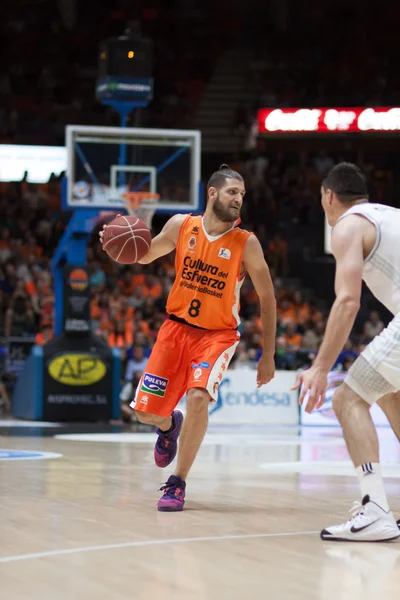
(153, 384)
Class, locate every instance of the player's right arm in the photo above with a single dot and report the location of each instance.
(347, 247)
(165, 241)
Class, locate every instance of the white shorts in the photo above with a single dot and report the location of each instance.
(376, 372)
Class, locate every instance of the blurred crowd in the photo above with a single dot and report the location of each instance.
(48, 81)
(128, 302)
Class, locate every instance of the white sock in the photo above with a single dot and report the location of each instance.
(370, 478)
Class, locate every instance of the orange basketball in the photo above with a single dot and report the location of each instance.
(126, 239)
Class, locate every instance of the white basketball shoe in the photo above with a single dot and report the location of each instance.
(369, 523)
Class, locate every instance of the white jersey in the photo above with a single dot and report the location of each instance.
(382, 266)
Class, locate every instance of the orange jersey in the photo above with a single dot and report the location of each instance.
(206, 291)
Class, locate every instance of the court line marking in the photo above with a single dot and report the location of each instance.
(326, 468)
(141, 544)
(7, 423)
(214, 439)
(23, 455)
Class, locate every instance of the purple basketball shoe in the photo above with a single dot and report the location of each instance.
(173, 498)
(167, 442)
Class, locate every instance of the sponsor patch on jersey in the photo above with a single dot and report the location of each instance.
(153, 384)
(224, 253)
(202, 365)
(197, 374)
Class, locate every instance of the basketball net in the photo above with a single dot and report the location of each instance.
(141, 205)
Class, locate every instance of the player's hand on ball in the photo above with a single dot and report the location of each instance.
(102, 231)
(101, 234)
(265, 369)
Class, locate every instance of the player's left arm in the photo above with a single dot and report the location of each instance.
(347, 248)
(257, 268)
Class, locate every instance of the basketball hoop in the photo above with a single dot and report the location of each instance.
(142, 205)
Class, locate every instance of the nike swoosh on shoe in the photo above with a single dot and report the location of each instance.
(358, 529)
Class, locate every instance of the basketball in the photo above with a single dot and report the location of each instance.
(126, 239)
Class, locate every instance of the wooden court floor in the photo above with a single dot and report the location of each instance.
(83, 524)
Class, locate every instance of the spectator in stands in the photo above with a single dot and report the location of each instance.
(45, 334)
(243, 360)
(120, 336)
(293, 342)
(136, 365)
(114, 301)
(152, 288)
(292, 337)
(126, 284)
(99, 311)
(311, 339)
(168, 263)
(241, 357)
(8, 282)
(347, 362)
(138, 277)
(5, 404)
(31, 248)
(155, 325)
(323, 163)
(255, 171)
(281, 360)
(97, 277)
(139, 323)
(127, 393)
(136, 299)
(125, 313)
(374, 326)
(5, 238)
(301, 308)
(142, 340)
(19, 318)
(349, 352)
(286, 311)
(149, 308)
(278, 255)
(315, 313)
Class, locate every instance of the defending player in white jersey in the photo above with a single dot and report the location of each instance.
(366, 246)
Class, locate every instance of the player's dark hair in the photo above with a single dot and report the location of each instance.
(218, 178)
(347, 182)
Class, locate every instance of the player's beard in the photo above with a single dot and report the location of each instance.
(226, 214)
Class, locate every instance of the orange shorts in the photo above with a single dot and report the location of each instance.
(183, 357)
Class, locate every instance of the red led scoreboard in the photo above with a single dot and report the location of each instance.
(295, 121)
(328, 120)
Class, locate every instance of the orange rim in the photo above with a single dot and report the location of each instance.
(135, 199)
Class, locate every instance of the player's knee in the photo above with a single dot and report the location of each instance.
(338, 402)
(345, 402)
(197, 400)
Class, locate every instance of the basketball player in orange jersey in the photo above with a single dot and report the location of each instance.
(195, 345)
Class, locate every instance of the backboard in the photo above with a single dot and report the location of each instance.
(103, 163)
